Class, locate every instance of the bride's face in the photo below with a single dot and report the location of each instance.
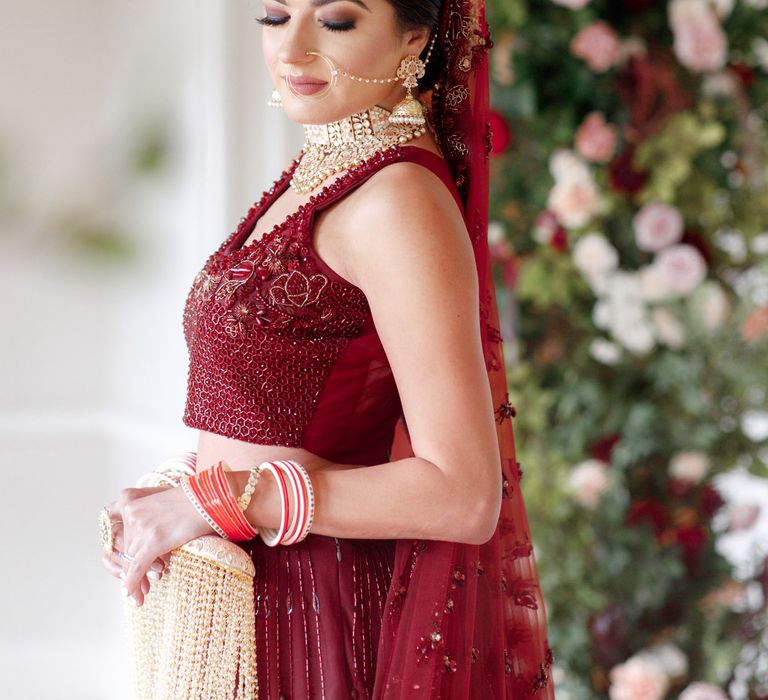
(360, 36)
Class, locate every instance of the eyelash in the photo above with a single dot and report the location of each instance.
(333, 27)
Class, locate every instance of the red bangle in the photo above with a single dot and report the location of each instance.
(211, 501)
(234, 514)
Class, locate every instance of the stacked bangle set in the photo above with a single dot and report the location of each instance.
(209, 492)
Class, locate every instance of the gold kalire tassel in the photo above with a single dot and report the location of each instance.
(193, 638)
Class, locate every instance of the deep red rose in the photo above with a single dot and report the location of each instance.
(622, 176)
(559, 240)
(639, 5)
(603, 447)
(679, 488)
(696, 240)
(710, 501)
(501, 134)
(609, 632)
(692, 539)
(652, 512)
(744, 73)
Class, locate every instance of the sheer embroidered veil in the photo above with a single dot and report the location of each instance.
(468, 621)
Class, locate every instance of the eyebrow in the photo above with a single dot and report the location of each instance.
(321, 3)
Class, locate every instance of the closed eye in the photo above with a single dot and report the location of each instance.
(268, 21)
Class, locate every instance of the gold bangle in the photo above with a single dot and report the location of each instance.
(250, 487)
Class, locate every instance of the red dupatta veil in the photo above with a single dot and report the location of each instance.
(468, 621)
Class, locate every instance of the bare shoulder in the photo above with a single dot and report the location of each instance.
(403, 216)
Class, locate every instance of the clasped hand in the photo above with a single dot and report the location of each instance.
(152, 522)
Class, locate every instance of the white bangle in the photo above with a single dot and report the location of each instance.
(310, 499)
(272, 536)
(170, 470)
(299, 500)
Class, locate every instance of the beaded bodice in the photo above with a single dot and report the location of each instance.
(282, 349)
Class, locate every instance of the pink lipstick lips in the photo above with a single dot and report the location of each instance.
(304, 85)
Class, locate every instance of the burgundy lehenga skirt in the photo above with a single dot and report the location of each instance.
(319, 606)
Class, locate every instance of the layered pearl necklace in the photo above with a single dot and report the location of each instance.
(343, 144)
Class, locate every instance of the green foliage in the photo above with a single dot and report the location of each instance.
(704, 152)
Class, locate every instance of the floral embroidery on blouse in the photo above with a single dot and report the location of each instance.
(294, 288)
(236, 278)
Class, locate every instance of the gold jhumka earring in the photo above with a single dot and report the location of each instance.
(409, 110)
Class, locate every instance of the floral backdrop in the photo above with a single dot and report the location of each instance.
(630, 241)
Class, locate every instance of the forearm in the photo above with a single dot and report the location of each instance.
(407, 499)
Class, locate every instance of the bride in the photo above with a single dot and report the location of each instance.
(348, 325)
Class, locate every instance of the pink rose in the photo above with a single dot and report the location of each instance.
(588, 481)
(573, 202)
(681, 267)
(702, 691)
(598, 44)
(657, 225)
(572, 4)
(755, 325)
(699, 41)
(596, 139)
(638, 678)
(689, 465)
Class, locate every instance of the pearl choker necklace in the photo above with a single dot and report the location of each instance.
(343, 144)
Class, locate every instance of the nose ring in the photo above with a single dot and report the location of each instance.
(331, 83)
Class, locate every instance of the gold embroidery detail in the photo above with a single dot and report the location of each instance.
(455, 96)
(294, 288)
(237, 277)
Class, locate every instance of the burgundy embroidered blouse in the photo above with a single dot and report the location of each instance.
(282, 349)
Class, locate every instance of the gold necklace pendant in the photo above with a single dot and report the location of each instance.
(340, 145)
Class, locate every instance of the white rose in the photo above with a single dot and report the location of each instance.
(742, 516)
(637, 337)
(759, 243)
(710, 305)
(625, 295)
(671, 658)
(605, 351)
(588, 480)
(702, 691)
(760, 48)
(720, 84)
(638, 678)
(565, 164)
(602, 315)
(496, 232)
(657, 225)
(682, 267)
(574, 202)
(723, 8)
(700, 43)
(668, 328)
(594, 256)
(653, 283)
(689, 465)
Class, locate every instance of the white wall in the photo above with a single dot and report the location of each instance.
(92, 360)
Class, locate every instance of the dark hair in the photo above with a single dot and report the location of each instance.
(411, 14)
